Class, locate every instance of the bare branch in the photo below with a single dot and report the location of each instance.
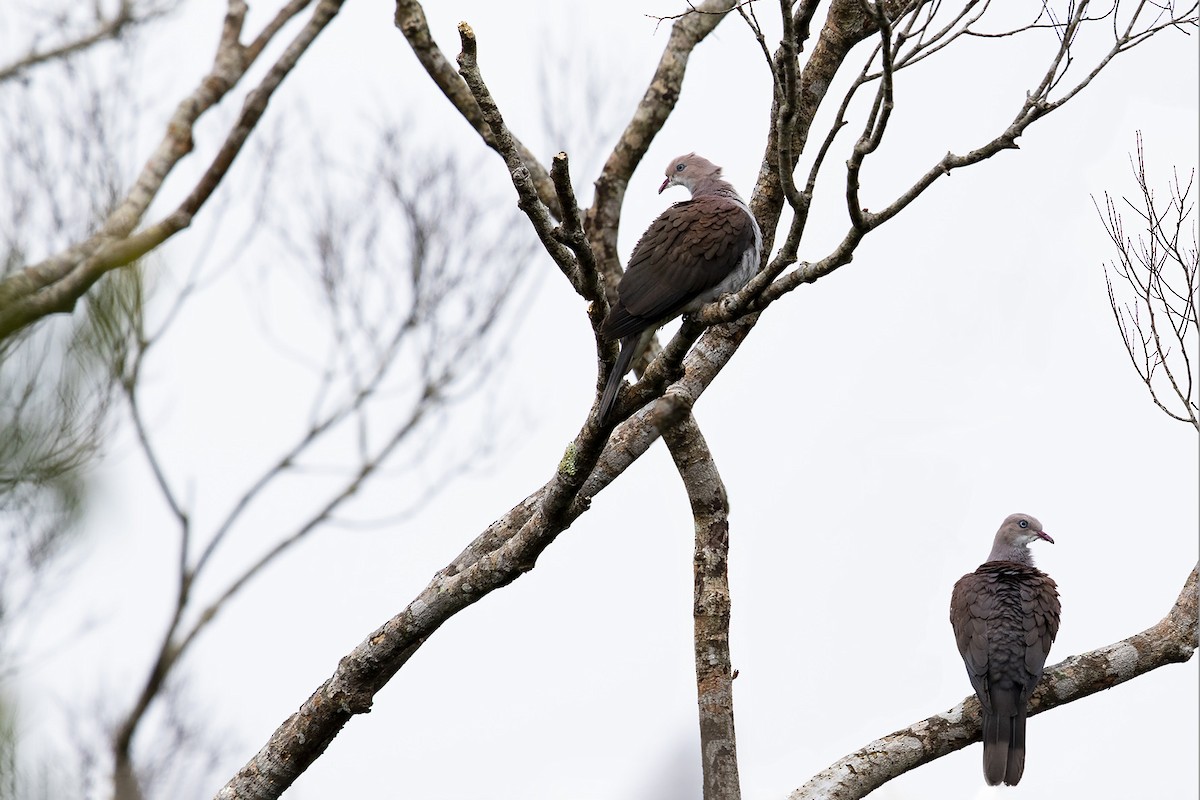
(506, 145)
(1161, 270)
(1037, 104)
(877, 119)
(103, 28)
(55, 284)
(571, 233)
(410, 19)
(846, 25)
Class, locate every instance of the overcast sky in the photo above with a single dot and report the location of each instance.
(873, 431)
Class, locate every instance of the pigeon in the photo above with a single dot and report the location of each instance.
(1005, 617)
(693, 253)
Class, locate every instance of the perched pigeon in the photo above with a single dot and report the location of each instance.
(693, 253)
(1005, 616)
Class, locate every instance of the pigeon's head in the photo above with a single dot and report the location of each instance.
(690, 171)
(1013, 538)
(1021, 529)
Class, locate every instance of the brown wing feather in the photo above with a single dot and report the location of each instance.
(969, 613)
(689, 249)
(1039, 601)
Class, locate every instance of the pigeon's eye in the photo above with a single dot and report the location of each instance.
(679, 167)
(1024, 523)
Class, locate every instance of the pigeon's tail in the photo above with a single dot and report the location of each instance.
(629, 348)
(1016, 750)
(1003, 745)
(995, 747)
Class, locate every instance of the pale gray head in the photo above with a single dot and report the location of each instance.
(692, 172)
(1013, 538)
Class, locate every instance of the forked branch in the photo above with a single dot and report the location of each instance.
(55, 284)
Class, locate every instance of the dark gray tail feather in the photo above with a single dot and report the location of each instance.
(1016, 750)
(629, 348)
(996, 731)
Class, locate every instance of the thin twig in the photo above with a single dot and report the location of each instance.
(123, 19)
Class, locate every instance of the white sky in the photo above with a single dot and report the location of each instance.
(872, 432)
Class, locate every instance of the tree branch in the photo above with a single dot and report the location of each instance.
(572, 234)
(846, 25)
(507, 146)
(1160, 327)
(506, 550)
(410, 19)
(55, 284)
(1038, 103)
(877, 119)
(105, 28)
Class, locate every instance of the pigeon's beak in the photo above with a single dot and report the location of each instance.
(666, 183)
(1046, 536)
